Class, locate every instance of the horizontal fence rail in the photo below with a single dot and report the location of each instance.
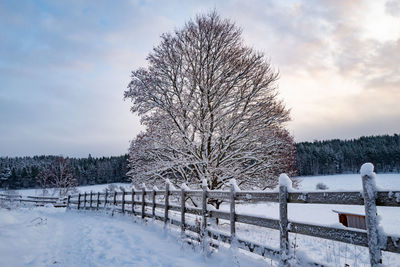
(157, 204)
(37, 200)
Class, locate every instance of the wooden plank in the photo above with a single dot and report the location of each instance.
(166, 203)
(174, 207)
(369, 187)
(38, 197)
(193, 210)
(183, 199)
(232, 211)
(204, 209)
(354, 237)
(283, 226)
(219, 194)
(257, 196)
(174, 192)
(105, 198)
(194, 193)
(143, 201)
(98, 200)
(258, 221)
(11, 196)
(123, 202)
(219, 214)
(84, 201)
(36, 201)
(388, 198)
(133, 201)
(343, 198)
(384, 198)
(153, 203)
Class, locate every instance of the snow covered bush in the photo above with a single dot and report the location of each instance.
(321, 186)
(210, 107)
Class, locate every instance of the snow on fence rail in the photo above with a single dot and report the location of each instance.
(159, 206)
(37, 200)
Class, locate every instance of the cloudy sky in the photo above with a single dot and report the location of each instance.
(64, 66)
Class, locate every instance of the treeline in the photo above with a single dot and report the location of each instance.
(346, 156)
(312, 158)
(21, 172)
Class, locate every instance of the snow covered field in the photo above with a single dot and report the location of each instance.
(98, 239)
(48, 236)
(349, 182)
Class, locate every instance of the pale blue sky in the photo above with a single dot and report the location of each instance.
(64, 66)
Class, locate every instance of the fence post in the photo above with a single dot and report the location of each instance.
(153, 207)
(98, 200)
(283, 219)
(84, 201)
(105, 198)
(143, 200)
(91, 194)
(115, 198)
(123, 201)
(166, 203)
(68, 201)
(133, 201)
(79, 201)
(204, 216)
(182, 211)
(204, 207)
(232, 212)
(371, 223)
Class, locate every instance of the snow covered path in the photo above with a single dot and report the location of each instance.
(53, 237)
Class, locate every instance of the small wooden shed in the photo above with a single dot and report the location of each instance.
(350, 219)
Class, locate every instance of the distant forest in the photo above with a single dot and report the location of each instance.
(21, 172)
(338, 156)
(312, 158)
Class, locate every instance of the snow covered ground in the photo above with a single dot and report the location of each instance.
(98, 239)
(48, 236)
(81, 189)
(349, 182)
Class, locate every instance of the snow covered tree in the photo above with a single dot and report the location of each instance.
(5, 174)
(43, 179)
(210, 107)
(58, 175)
(63, 179)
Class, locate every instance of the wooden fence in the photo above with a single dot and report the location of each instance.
(156, 204)
(36, 200)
